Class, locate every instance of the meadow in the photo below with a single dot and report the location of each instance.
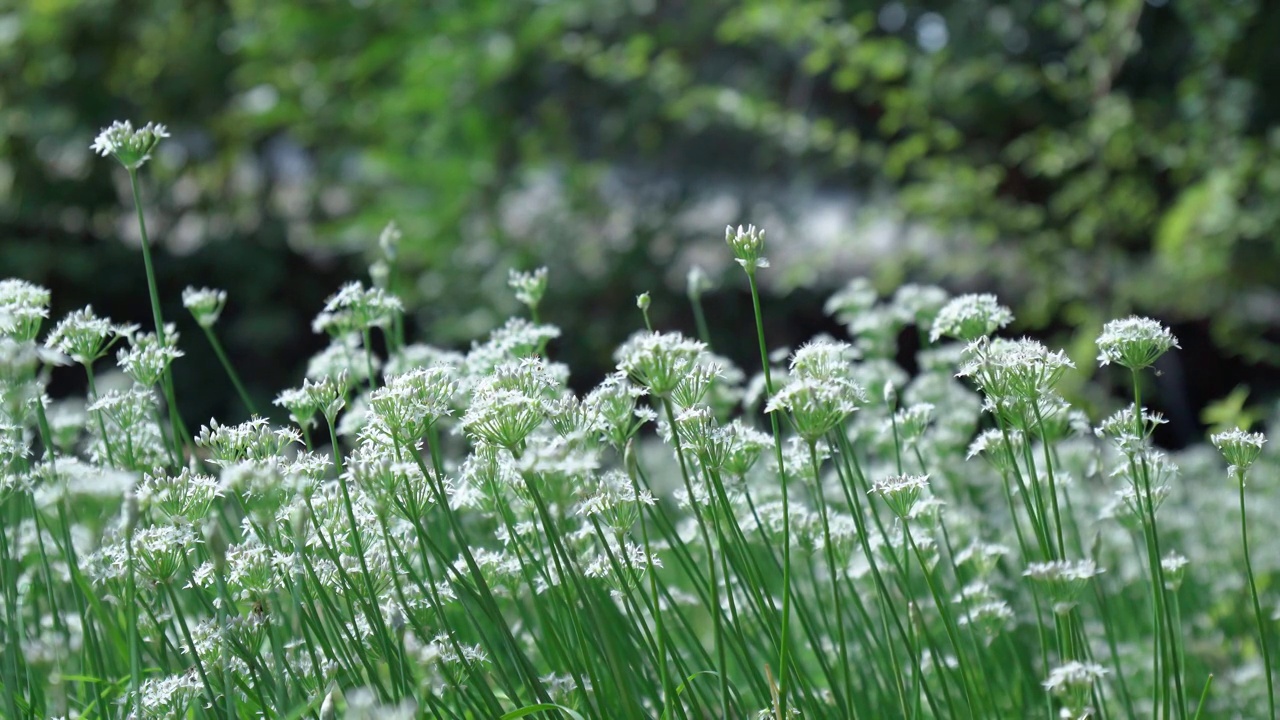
(457, 534)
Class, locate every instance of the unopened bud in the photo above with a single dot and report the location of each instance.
(328, 709)
(891, 395)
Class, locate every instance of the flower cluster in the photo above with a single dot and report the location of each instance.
(355, 309)
(129, 146)
(821, 392)
(969, 317)
(747, 246)
(470, 535)
(530, 287)
(1134, 342)
(204, 304)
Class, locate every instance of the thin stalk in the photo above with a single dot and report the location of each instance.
(1257, 606)
(135, 654)
(230, 369)
(225, 602)
(167, 381)
(1204, 695)
(717, 623)
(837, 607)
(947, 624)
(1164, 618)
(1053, 487)
(102, 425)
(700, 319)
(786, 510)
(11, 670)
(186, 633)
(659, 627)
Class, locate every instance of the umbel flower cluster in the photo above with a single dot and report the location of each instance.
(444, 533)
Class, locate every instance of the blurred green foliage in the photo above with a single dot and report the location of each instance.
(1087, 157)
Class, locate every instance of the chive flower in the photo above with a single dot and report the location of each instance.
(130, 147)
(1134, 342)
(1241, 449)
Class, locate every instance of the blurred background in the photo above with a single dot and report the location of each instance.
(1082, 159)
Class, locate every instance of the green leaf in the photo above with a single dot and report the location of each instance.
(680, 688)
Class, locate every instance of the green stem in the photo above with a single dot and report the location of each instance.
(186, 634)
(837, 607)
(660, 630)
(786, 509)
(1257, 606)
(231, 371)
(135, 655)
(167, 381)
(700, 320)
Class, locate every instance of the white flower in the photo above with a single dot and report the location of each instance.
(969, 317)
(529, 286)
(23, 306)
(1063, 580)
(901, 492)
(747, 246)
(1134, 342)
(85, 337)
(659, 361)
(389, 240)
(147, 359)
(1240, 448)
(205, 304)
(131, 147)
(697, 282)
(355, 309)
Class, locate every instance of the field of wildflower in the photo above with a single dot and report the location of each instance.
(449, 534)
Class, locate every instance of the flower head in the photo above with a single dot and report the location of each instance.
(612, 407)
(509, 404)
(919, 304)
(1134, 342)
(389, 240)
(205, 304)
(23, 306)
(747, 246)
(147, 358)
(355, 309)
(969, 317)
(1072, 683)
(1015, 371)
(1063, 580)
(85, 337)
(659, 361)
(529, 286)
(852, 300)
(410, 403)
(1240, 448)
(131, 147)
(816, 406)
(901, 492)
(697, 282)
(1174, 566)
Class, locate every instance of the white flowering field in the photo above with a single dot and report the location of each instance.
(444, 534)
